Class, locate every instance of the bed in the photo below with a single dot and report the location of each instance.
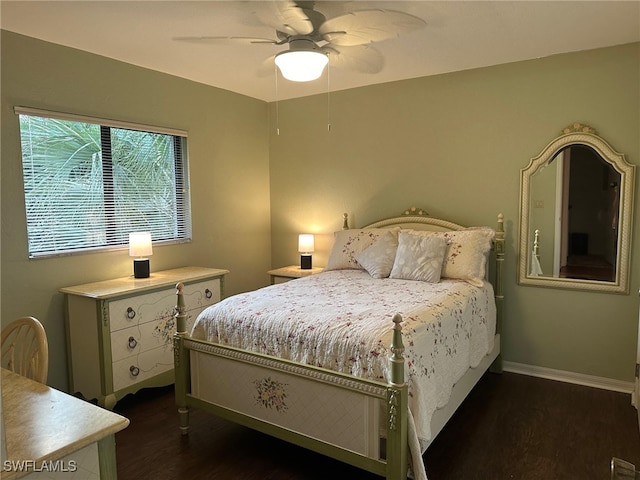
(364, 362)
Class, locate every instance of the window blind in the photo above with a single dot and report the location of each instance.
(88, 185)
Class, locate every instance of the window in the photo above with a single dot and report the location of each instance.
(88, 183)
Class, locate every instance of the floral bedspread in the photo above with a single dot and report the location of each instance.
(342, 320)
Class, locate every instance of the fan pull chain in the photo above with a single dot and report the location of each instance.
(275, 68)
(329, 97)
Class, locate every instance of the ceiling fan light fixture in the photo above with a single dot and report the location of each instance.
(301, 65)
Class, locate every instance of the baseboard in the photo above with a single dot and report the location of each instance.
(569, 377)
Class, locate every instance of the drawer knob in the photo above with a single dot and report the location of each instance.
(135, 371)
(131, 313)
(132, 343)
(208, 293)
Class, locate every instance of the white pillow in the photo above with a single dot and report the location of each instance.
(419, 257)
(466, 254)
(377, 259)
(348, 243)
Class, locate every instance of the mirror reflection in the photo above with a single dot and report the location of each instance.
(575, 198)
(575, 217)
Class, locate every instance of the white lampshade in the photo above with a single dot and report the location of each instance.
(140, 244)
(301, 65)
(305, 243)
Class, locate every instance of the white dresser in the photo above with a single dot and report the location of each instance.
(119, 332)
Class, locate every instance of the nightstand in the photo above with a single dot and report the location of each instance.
(120, 331)
(284, 274)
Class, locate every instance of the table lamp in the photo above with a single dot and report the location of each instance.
(305, 247)
(140, 247)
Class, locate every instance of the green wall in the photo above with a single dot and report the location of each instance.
(229, 175)
(454, 145)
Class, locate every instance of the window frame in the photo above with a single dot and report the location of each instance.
(181, 179)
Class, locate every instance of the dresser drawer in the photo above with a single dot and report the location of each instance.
(155, 306)
(133, 311)
(202, 294)
(138, 339)
(146, 336)
(140, 367)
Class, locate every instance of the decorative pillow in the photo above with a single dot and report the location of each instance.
(467, 252)
(348, 243)
(377, 259)
(419, 257)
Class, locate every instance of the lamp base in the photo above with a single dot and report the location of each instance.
(141, 268)
(305, 262)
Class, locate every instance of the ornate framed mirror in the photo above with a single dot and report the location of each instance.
(576, 203)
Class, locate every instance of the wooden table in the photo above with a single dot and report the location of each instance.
(46, 430)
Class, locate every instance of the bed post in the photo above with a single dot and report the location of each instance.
(397, 408)
(496, 367)
(181, 361)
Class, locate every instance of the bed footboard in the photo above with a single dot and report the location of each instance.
(358, 421)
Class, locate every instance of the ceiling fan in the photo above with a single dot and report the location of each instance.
(314, 40)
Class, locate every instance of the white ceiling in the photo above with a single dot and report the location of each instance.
(458, 36)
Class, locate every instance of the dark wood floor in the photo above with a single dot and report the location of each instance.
(510, 427)
(588, 267)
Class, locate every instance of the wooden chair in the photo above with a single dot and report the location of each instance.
(25, 349)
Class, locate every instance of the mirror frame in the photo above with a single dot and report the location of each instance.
(579, 134)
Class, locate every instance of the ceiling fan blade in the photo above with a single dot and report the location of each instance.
(286, 17)
(361, 58)
(366, 26)
(316, 18)
(225, 40)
